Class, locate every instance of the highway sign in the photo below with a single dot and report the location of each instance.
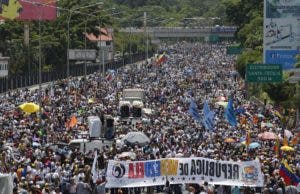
(263, 73)
(234, 50)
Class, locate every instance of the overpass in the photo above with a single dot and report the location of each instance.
(182, 32)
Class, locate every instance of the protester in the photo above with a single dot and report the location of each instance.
(35, 146)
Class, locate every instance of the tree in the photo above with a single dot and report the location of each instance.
(54, 33)
(281, 93)
(53, 37)
(247, 57)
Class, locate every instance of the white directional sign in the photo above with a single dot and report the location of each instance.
(4, 66)
(79, 54)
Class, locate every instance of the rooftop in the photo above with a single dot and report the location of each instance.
(105, 35)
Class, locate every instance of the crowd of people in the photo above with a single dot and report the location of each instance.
(35, 147)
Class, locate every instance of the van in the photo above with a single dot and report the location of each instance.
(132, 94)
(86, 145)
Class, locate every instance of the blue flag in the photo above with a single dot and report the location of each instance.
(240, 110)
(193, 110)
(208, 119)
(230, 114)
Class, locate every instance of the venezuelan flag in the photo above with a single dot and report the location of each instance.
(289, 177)
(161, 59)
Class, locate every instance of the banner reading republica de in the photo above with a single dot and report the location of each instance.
(183, 170)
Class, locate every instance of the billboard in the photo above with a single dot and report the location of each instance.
(281, 32)
(28, 9)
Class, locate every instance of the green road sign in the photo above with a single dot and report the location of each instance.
(234, 50)
(214, 38)
(263, 73)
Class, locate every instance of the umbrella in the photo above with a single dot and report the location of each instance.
(267, 135)
(266, 124)
(242, 139)
(131, 155)
(29, 107)
(269, 124)
(229, 140)
(91, 100)
(147, 111)
(221, 103)
(221, 98)
(261, 116)
(179, 155)
(238, 145)
(288, 133)
(136, 138)
(254, 145)
(36, 144)
(287, 148)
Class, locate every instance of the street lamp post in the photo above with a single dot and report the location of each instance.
(68, 62)
(40, 71)
(71, 11)
(130, 44)
(101, 51)
(146, 36)
(85, 81)
(85, 45)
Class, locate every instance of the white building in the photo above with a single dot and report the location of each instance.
(3, 66)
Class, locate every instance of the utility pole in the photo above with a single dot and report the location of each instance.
(85, 81)
(40, 72)
(26, 42)
(130, 52)
(146, 35)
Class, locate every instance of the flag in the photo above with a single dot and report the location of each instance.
(229, 114)
(285, 141)
(208, 119)
(94, 170)
(188, 71)
(72, 122)
(243, 120)
(276, 148)
(278, 114)
(161, 59)
(193, 110)
(286, 173)
(240, 110)
(295, 139)
(255, 119)
(248, 138)
(110, 77)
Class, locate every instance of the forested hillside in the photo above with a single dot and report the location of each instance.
(113, 13)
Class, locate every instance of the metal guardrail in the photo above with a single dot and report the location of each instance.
(29, 79)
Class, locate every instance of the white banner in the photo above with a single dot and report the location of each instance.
(6, 184)
(183, 170)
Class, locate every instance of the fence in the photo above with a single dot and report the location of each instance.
(19, 81)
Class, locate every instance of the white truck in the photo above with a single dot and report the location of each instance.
(85, 145)
(133, 94)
